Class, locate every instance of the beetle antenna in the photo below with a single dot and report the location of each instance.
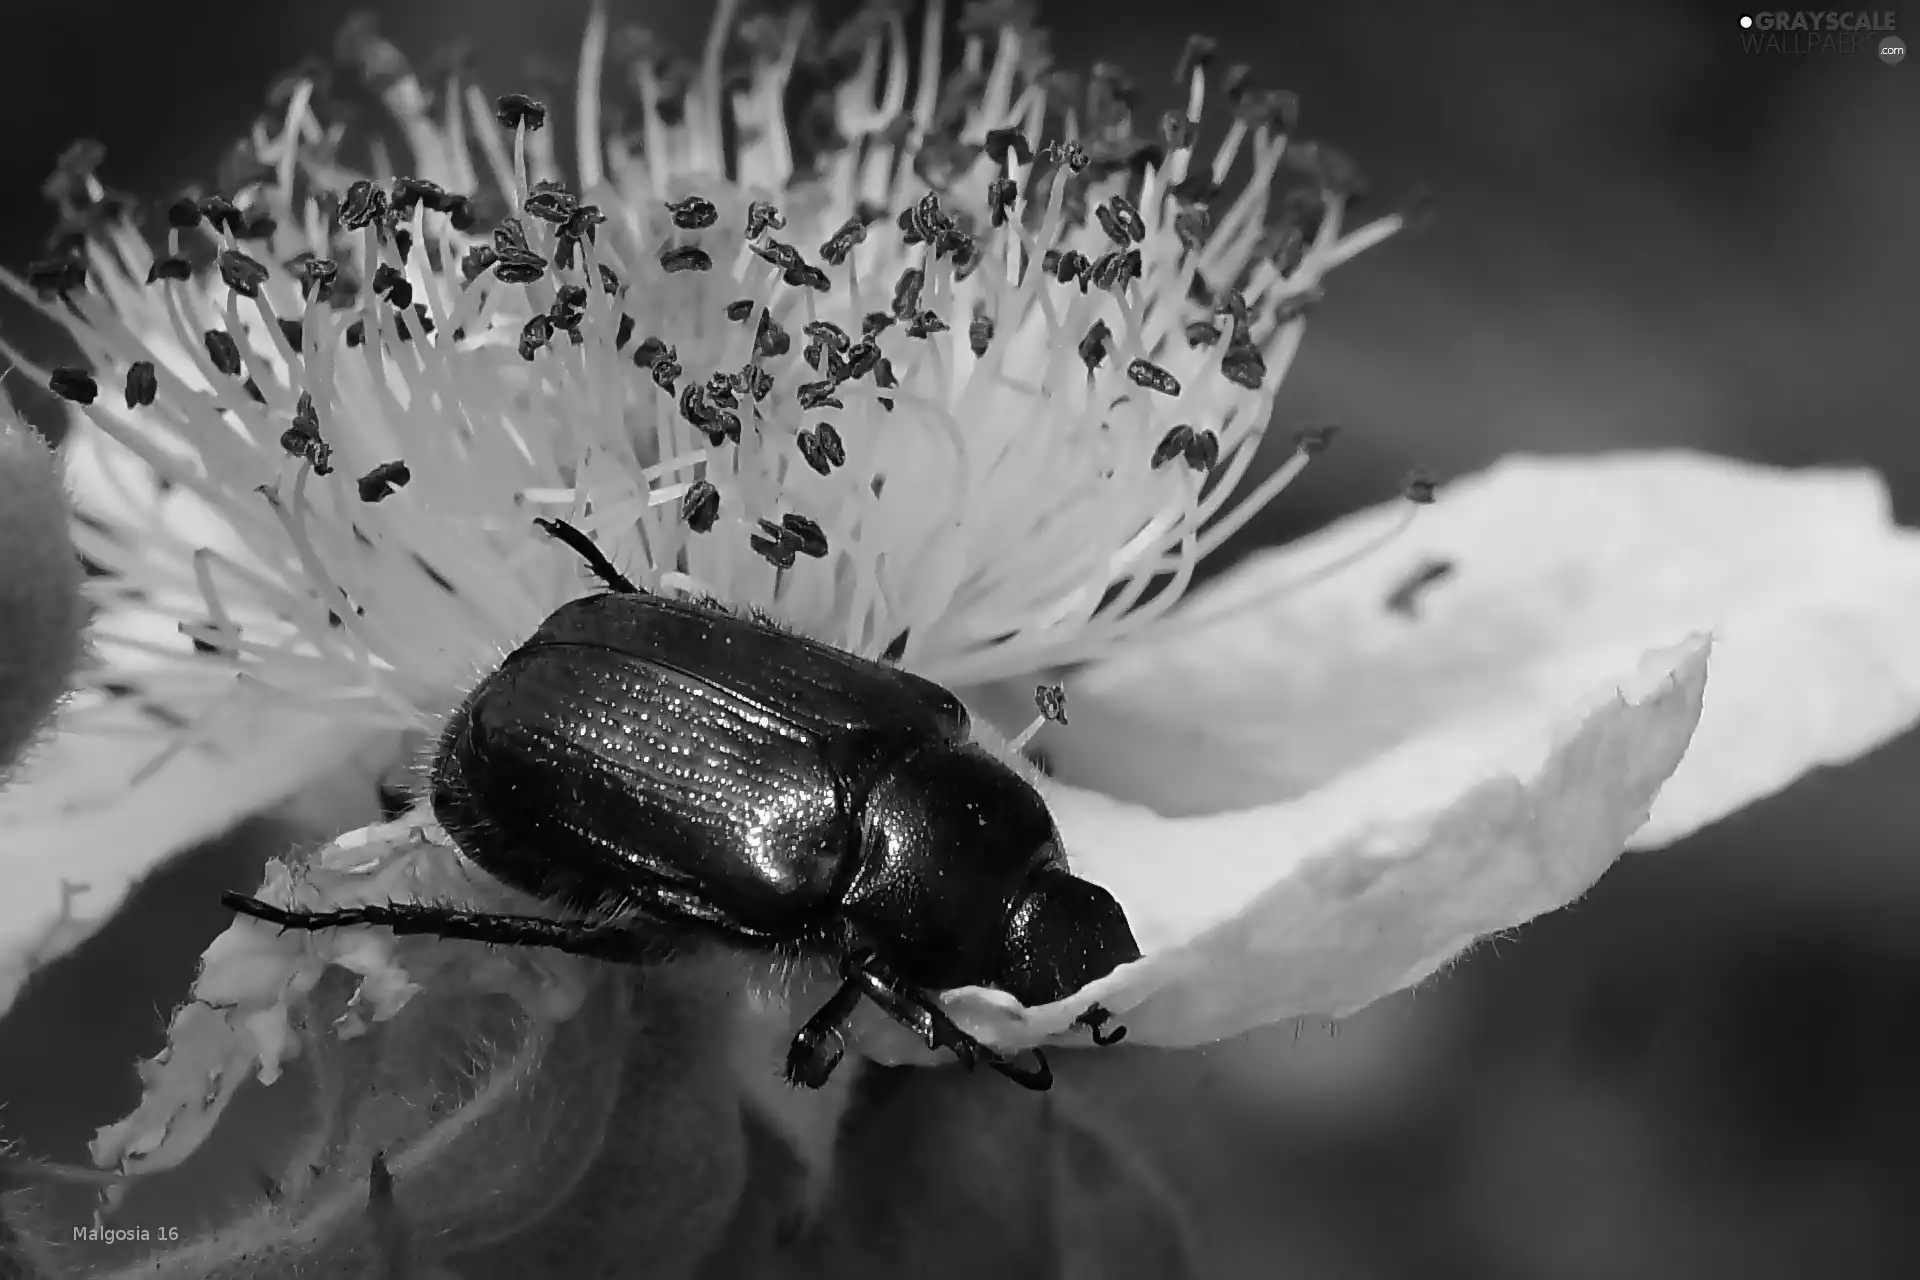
(596, 559)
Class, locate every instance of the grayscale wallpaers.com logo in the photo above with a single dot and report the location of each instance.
(1823, 31)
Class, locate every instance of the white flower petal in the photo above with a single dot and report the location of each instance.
(1367, 885)
(1566, 569)
(76, 833)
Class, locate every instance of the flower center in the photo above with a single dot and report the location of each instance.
(972, 384)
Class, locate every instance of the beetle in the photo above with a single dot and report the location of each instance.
(683, 773)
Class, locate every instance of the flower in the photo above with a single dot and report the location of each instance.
(41, 615)
(960, 372)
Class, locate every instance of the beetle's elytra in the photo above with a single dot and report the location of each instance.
(698, 775)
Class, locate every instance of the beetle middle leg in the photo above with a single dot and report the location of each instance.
(596, 559)
(619, 943)
(920, 1014)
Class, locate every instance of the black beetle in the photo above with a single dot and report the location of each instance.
(686, 773)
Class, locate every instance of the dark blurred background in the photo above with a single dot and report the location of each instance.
(1647, 237)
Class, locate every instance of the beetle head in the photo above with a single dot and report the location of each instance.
(1065, 933)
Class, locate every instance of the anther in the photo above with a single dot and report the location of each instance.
(223, 351)
(650, 351)
(666, 370)
(852, 232)
(1172, 445)
(477, 260)
(622, 331)
(773, 550)
(535, 334)
(821, 448)
(1314, 441)
(1203, 451)
(802, 534)
(700, 506)
(58, 276)
(685, 258)
(383, 481)
(980, 330)
(771, 340)
(1146, 373)
(184, 214)
(999, 142)
(1001, 193)
(693, 213)
(550, 201)
(1093, 347)
(762, 217)
(818, 395)
(514, 110)
(170, 269)
(220, 213)
(1195, 56)
(362, 204)
(73, 384)
(142, 384)
(257, 225)
(408, 192)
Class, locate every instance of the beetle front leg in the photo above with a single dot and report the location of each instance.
(917, 1011)
(821, 1043)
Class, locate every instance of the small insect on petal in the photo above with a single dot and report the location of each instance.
(142, 384)
(383, 481)
(73, 384)
(1051, 699)
(1404, 599)
(701, 506)
(514, 110)
(1420, 488)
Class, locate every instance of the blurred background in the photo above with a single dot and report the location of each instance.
(1647, 237)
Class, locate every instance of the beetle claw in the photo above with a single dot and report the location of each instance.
(1039, 1078)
